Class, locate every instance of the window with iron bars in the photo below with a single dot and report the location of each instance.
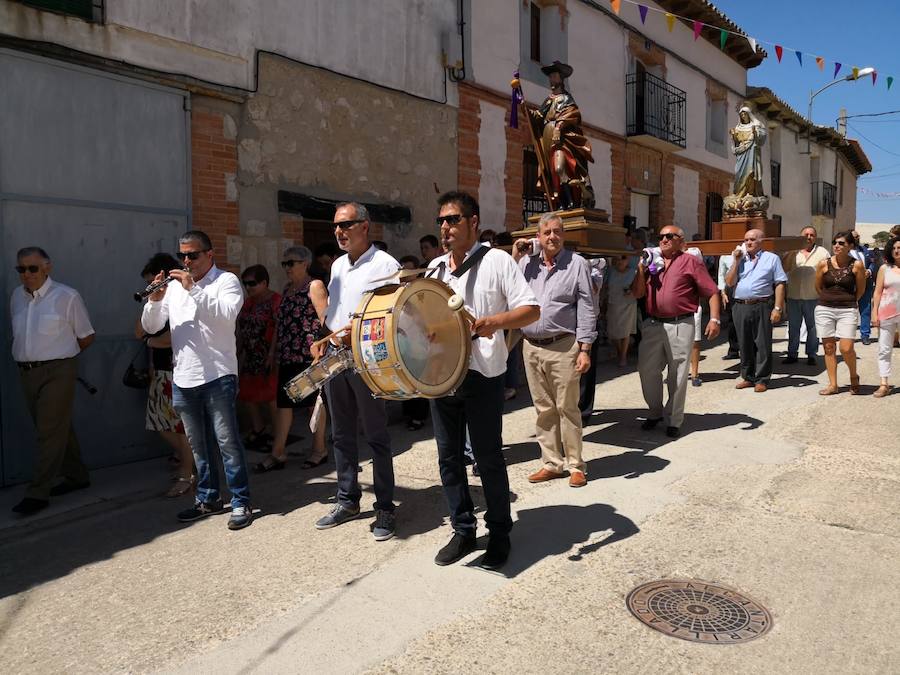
(533, 199)
(89, 10)
(775, 170)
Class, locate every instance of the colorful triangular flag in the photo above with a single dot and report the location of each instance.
(820, 62)
(837, 68)
(752, 44)
(642, 10)
(855, 73)
(670, 21)
(698, 26)
(779, 50)
(723, 36)
(616, 5)
(800, 58)
(874, 77)
(890, 81)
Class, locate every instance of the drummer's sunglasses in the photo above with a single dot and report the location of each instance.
(347, 224)
(192, 255)
(451, 220)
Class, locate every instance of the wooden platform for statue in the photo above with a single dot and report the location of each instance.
(735, 227)
(586, 231)
(727, 246)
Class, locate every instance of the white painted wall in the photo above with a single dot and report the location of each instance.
(686, 193)
(794, 205)
(601, 175)
(396, 43)
(492, 151)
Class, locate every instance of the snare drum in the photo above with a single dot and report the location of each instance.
(407, 343)
(314, 378)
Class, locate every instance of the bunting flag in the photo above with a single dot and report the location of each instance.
(855, 73)
(874, 77)
(642, 10)
(800, 58)
(515, 100)
(670, 21)
(779, 50)
(723, 36)
(752, 44)
(837, 69)
(616, 5)
(698, 26)
(890, 81)
(820, 62)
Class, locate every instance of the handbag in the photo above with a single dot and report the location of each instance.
(136, 378)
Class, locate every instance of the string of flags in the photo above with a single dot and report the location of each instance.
(724, 34)
(875, 193)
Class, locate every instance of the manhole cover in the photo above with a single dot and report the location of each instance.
(698, 611)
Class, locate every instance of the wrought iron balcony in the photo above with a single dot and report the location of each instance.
(824, 199)
(655, 112)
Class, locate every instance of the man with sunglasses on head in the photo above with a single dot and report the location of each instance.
(202, 305)
(350, 402)
(50, 328)
(495, 292)
(673, 294)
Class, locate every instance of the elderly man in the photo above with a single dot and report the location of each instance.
(802, 296)
(495, 293)
(673, 295)
(201, 307)
(50, 328)
(758, 280)
(557, 349)
(350, 402)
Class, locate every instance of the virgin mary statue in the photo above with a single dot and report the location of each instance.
(748, 137)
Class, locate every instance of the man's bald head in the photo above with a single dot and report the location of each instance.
(753, 241)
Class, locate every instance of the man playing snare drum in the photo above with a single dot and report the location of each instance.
(496, 294)
(349, 399)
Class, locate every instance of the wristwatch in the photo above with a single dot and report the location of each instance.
(777, 309)
(584, 350)
(712, 318)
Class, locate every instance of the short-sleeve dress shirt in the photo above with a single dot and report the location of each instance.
(493, 285)
(677, 289)
(349, 281)
(48, 323)
(757, 276)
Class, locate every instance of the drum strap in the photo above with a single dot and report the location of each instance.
(468, 263)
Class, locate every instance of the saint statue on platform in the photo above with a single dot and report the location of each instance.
(563, 149)
(748, 138)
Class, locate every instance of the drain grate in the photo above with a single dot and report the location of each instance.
(699, 611)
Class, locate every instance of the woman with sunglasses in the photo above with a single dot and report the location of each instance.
(840, 283)
(886, 311)
(255, 339)
(304, 302)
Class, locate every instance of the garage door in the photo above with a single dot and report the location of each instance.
(95, 169)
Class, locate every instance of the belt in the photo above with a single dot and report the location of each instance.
(28, 365)
(543, 342)
(673, 319)
(753, 301)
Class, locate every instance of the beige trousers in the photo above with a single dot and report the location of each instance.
(665, 345)
(553, 382)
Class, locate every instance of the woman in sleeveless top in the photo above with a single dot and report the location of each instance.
(299, 321)
(886, 311)
(840, 282)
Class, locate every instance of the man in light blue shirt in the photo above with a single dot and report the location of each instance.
(759, 282)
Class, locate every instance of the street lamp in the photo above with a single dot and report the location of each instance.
(862, 72)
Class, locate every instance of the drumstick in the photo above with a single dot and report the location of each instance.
(455, 303)
(328, 337)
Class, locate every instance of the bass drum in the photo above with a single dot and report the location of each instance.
(407, 343)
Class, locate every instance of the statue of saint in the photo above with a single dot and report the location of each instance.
(748, 138)
(560, 140)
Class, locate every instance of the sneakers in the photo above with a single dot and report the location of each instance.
(338, 516)
(696, 382)
(241, 517)
(457, 548)
(497, 553)
(383, 528)
(201, 510)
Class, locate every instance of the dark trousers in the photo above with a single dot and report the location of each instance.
(728, 318)
(588, 384)
(754, 330)
(415, 409)
(350, 404)
(865, 310)
(49, 391)
(478, 402)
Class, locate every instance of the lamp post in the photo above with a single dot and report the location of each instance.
(862, 72)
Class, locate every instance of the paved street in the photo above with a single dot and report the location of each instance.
(787, 496)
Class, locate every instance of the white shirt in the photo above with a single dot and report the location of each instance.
(349, 281)
(202, 323)
(493, 285)
(725, 263)
(48, 324)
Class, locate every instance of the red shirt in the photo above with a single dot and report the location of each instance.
(677, 289)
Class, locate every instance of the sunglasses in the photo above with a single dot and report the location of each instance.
(288, 264)
(839, 243)
(450, 220)
(670, 236)
(191, 255)
(250, 283)
(347, 224)
(33, 269)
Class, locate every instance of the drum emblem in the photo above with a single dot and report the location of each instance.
(373, 329)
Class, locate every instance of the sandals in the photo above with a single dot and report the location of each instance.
(314, 461)
(180, 486)
(270, 463)
(258, 440)
(854, 385)
(882, 391)
(828, 391)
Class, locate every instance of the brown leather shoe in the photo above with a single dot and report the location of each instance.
(760, 387)
(577, 479)
(743, 384)
(544, 475)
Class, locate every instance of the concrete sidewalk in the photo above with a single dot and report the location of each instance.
(788, 496)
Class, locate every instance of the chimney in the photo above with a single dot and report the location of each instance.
(842, 122)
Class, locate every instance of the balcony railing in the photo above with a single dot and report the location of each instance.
(824, 199)
(655, 108)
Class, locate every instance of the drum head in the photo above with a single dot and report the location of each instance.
(433, 342)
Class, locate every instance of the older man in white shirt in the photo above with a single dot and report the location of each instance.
(495, 292)
(50, 328)
(201, 306)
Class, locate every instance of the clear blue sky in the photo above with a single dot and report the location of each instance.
(857, 33)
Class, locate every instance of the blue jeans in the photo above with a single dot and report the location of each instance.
(802, 311)
(865, 310)
(211, 426)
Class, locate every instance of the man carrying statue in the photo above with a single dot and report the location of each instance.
(563, 149)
